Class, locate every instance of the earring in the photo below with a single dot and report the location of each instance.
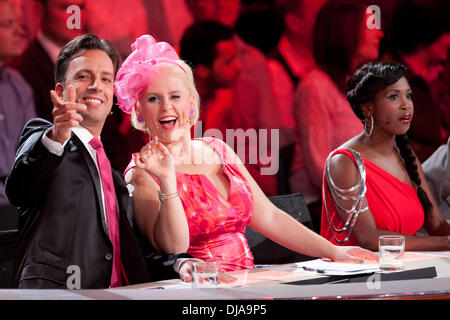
(191, 116)
(140, 118)
(368, 130)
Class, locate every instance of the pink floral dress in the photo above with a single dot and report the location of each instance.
(216, 224)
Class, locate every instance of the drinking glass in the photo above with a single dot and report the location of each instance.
(205, 274)
(392, 250)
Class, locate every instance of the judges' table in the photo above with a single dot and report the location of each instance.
(428, 276)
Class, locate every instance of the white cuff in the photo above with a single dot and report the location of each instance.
(51, 145)
(180, 261)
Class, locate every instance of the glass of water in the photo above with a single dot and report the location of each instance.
(205, 274)
(392, 251)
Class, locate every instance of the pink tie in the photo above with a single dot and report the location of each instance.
(110, 208)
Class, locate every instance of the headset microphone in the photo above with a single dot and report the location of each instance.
(385, 122)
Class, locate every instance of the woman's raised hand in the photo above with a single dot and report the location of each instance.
(156, 159)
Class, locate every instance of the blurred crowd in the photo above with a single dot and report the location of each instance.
(262, 65)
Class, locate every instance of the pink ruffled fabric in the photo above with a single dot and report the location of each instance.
(139, 69)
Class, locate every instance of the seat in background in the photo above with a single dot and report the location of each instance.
(9, 243)
(264, 250)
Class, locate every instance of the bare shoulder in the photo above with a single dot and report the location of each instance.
(343, 171)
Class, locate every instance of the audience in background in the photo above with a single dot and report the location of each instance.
(440, 91)
(16, 105)
(289, 62)
(259, 24)
(29, 17)
(294, 53)
(324, 118)
(420, 39)
(113, 20)
(210, 48)
(254, 104)
(168, 19)
(225, 12)
(37, 62)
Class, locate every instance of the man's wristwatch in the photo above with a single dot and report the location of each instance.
(166, 196)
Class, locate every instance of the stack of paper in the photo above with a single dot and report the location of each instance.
(335, 268)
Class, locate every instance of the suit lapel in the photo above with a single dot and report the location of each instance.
(76, 144)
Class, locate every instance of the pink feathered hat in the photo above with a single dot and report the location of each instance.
(140, 68)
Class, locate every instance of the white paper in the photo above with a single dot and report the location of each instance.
(335, 268)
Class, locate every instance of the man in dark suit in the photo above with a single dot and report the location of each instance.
(57, 183)
(37, 68)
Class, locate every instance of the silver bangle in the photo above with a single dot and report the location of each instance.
(166, 196)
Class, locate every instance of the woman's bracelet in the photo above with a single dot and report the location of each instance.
(166, 196)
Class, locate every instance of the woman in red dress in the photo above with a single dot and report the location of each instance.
(374, 184)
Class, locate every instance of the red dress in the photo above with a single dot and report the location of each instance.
(393, 204)
(217, 225)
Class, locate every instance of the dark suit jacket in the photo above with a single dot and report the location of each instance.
(61, 216)
(37, 68)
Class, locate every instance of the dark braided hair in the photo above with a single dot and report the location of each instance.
(411, 166)
(361, 88)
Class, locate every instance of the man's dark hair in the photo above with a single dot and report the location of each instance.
(198, 45)
(418, 22)
(79, 44)
(285, 6)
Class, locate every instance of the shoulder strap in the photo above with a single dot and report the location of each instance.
(221, 148)
(348, 152)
